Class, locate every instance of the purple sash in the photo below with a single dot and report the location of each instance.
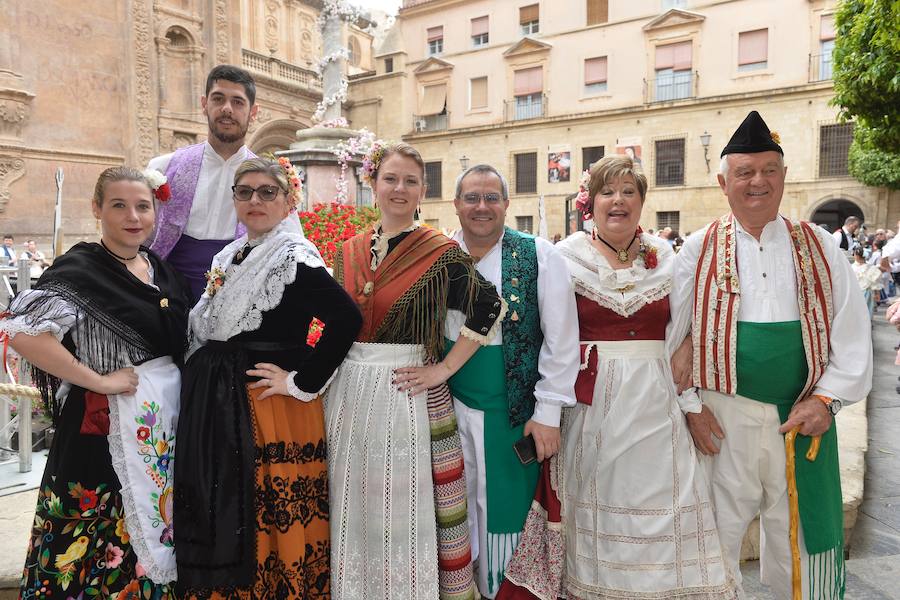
(192, 257)
(183, 172)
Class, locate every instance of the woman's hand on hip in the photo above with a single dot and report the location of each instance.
(272, 377)
(416, 380)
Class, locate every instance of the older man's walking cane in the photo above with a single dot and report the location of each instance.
(794, 506)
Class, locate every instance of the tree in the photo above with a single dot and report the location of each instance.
(867, 87)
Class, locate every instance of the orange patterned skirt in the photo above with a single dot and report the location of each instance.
(291, 502)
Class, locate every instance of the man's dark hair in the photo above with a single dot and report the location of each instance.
(8, 236)
(234, 75)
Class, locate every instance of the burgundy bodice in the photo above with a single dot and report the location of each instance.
(597, 323)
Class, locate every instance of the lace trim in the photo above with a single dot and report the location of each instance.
(132, 517)
(628, 308)
(486, 339)
(254, 286)
(299, 394)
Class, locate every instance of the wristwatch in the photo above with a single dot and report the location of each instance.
(833, 405)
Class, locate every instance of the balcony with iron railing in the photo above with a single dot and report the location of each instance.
(820, 67)
(676, 85)
(278, 70)
(521, 108)
(425, 123)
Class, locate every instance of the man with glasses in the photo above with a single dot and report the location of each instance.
(515, 387)
(199, 219)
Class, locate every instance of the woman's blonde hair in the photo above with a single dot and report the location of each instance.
(267, 167)
(114, 174)
(612, 167)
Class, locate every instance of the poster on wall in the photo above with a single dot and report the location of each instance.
(559, 165)
(630, 147)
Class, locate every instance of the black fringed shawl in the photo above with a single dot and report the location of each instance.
(120, 320)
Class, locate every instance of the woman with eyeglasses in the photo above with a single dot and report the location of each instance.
(398, 497)
(251, 505)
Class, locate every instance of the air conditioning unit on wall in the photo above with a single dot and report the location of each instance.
(421, 125)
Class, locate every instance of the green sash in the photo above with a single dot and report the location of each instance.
(771, 368)
(481, 384)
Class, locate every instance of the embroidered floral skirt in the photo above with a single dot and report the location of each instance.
(80, 547)
(290, 502)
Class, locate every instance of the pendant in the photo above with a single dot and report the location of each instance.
(368, 288)
(623, 256)
(164, 303)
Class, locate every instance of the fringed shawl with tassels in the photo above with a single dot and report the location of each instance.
(405, 299)
(118, 320)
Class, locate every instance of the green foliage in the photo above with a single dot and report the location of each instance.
(867, 67)
(871, 165)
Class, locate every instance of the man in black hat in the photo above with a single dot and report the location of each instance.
(764, 299)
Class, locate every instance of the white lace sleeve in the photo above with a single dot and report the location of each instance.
(56, 316)
(299, 394)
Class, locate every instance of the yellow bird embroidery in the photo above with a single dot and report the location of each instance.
(76, 551)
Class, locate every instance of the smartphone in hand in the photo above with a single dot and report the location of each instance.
(526, 450)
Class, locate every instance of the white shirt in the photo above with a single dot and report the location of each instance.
(559, 358)
(851, 239)
(769, 294)
(212, 214)
(9, 254)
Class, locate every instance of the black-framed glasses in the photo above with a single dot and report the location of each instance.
(266, 193)
(473, 198)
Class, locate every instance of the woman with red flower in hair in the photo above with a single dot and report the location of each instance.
(625, 494)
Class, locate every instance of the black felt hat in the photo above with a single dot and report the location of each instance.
(752, 136)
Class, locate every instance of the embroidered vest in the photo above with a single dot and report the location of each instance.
(717, 299)
(522, 336)
(182, 173)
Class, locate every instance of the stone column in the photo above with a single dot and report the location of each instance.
(333, 71)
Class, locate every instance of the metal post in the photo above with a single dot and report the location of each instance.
(24, 401)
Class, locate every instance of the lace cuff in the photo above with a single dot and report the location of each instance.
(299, 394)
(486, 338)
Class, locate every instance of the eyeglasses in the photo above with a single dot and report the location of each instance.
(473, 198)
(266, 193)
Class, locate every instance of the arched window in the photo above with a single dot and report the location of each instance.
(355, 53)
(178, 38)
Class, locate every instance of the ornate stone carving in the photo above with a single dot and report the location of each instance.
(272, 10)
(223, 40)
(143, 79)
(264, 115)
(14, 112)
(181, 140)
(11, 168)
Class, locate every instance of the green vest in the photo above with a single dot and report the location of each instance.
(522, 336)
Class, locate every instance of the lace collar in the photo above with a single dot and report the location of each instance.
(380, 242)
(252, 287)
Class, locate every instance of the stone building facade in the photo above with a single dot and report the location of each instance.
(541, 88)
(87, 85)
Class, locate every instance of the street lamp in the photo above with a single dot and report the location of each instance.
(704, 140)
(464, 162)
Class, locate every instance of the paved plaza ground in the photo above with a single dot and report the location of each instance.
(874, 565)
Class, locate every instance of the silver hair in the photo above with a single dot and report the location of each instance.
(482, 168)
(723, 165)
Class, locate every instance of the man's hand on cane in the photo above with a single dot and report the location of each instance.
(811, 415)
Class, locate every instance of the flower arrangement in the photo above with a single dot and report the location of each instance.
(293, 178)
(335, 123)
(372, 160)
(339, 96)
(360, 144)
(326, 226)
(583, 200)
(159, 183)
(646, 252)
(215, 278)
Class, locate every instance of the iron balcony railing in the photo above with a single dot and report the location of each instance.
(820, 67)
(422, 123)
(672, 86)
(521, 108)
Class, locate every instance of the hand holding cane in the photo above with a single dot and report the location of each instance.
(794, 505)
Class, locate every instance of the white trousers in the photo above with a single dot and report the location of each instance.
(748, 478)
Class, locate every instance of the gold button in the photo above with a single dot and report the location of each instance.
(368, 288)
(164, 303)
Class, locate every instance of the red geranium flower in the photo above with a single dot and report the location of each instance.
(143, 433)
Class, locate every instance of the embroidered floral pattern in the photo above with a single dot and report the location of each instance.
(281, 502)
(215, 279)
(79, 545)
(157, 448)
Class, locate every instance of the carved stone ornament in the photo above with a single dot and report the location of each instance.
(15, 109)
(144, 96)
(223, 40)
(11, 168)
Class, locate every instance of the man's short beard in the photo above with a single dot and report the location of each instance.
(225, 138)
